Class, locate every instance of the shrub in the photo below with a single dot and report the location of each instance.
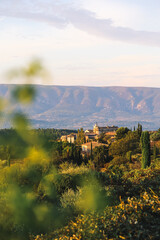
(69, 198)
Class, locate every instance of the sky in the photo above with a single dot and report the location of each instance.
(84, 42)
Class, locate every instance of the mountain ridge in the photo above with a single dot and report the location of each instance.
(80, 106)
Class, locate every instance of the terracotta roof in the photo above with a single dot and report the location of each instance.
(110, 133)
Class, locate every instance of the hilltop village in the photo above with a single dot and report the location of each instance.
(92, 136)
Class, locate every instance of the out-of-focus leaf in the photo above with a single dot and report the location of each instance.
(20, 122)
(2, 104)
(34, 68)
(24, 94)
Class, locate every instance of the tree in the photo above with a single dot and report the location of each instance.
(129, 156)
(80, 137)
(100, 156)
(129, 143)
(155, 152)
(155, 136)
(139, 129)
(8, 155)
(145, 146)
(91, 152)
(121, 132)
(103, 138)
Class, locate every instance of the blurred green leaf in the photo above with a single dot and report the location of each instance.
(20, 122)
(24, 94)
(34, 68)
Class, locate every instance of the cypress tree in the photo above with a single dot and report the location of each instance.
(8, 155)
(91, 152)
(139, 129)
(9, 160)
(145, 145)
(79, 156)
(72, 152)
(60, 148)
(155, 151)
(129, 156)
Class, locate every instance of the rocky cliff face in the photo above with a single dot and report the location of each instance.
(74, 107)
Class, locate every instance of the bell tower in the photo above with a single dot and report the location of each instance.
(96, 129)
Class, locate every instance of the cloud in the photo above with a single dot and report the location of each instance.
(2, 19)
(60, 14)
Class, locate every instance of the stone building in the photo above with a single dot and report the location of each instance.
(98, 130)
(71, 138)
(89, 136)
(86, 147)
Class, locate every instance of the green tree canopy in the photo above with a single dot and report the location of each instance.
(100, 155)
(80, 137)
(155, 136)
(121, 132)
(129, 143)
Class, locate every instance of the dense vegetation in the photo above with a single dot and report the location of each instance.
(12, 143)
(54, 193)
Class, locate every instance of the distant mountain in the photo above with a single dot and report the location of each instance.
(74, 107)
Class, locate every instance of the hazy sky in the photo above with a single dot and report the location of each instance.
(84, 42)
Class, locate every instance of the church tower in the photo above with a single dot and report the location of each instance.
(96, 129)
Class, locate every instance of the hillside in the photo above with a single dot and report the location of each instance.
(74, 107)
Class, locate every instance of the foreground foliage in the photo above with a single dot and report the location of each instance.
(135, 219)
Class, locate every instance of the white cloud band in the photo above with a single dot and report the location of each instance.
(59, 15)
